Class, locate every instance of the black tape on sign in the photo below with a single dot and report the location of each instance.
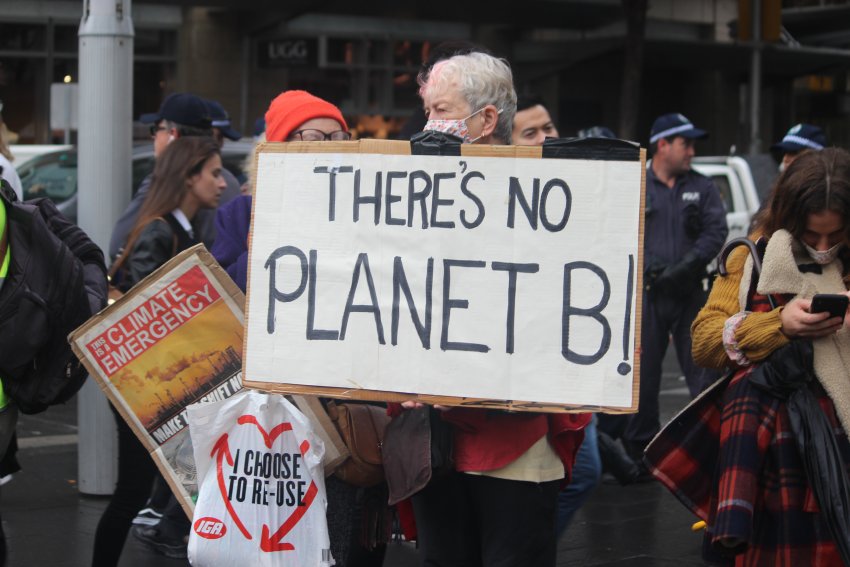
(606, 149)
(432, 143)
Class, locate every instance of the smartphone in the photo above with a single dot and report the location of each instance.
(833, 303)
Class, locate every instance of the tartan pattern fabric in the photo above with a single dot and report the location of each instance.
(731, 458)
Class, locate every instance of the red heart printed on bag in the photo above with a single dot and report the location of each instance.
(269, 541)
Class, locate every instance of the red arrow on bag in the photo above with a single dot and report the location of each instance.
(271, 542)
(220, 452)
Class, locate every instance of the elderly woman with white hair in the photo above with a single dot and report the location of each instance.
(471, 96)
(495, 505)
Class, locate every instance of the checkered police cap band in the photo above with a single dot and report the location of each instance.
(671, 132)
(790, 138)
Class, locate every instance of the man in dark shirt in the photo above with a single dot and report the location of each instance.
(685, 229)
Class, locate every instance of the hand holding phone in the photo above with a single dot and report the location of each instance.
(833, 303)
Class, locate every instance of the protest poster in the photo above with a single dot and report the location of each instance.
(176, 339)
(497, 278)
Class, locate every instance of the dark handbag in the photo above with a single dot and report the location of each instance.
(361, 427)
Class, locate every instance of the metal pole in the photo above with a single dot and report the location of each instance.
(67, 116)
(755, 80)
(104, 179)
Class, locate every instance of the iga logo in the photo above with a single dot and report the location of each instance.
(210, 528)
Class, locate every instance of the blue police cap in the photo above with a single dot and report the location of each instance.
(801, 137)
(674, 124)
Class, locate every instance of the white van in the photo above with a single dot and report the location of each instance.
(734, 180)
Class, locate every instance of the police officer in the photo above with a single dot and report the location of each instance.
(800, 137)
(684, 230)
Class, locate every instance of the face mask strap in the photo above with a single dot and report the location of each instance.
(498, 112)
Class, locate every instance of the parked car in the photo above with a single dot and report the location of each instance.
(734, 180)
(54, 174)
(744, 183)
(25, 152)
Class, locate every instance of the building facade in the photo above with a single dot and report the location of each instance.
(574, 53)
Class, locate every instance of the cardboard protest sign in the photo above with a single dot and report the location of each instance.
(484, 279)
(262, 497)
(175, 339)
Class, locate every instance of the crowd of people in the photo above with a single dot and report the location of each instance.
(761, 454)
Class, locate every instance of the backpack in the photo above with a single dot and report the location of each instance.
(56, 281)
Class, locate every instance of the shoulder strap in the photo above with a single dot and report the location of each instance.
(760, 247)
(173, 235)
(123, 256)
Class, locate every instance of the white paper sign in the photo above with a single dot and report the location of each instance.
(495, 278)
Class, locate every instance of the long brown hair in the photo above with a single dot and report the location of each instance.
(179, 161)
(813, 182)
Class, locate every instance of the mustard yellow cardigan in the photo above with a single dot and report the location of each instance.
(758, 335)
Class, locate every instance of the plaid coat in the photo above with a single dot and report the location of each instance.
(731, 458)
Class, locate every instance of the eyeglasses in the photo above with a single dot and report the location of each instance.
(310, 135)
(155, 129)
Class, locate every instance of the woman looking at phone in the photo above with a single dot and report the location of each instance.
(768, 437)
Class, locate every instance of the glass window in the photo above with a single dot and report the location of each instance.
(66, 39)
(409, 54)
(340, 51)
(23, 37)
(24, 92)
(155, 42)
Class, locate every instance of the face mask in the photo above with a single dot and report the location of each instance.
(823, 257)
(782, 167)
(454, 127)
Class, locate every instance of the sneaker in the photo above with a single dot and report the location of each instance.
(5, 479)
(151, 537)
(147, 517)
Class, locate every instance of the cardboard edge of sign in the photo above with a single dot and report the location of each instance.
(402, 147)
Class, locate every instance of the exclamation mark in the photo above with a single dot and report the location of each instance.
(624, 367)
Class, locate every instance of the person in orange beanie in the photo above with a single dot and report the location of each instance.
(298, 115)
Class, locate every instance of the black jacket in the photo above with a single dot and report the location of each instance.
(157, 243)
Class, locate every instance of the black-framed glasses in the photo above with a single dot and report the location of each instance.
(157, 128)
(311, 135)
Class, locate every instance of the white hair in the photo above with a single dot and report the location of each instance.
(482, 80)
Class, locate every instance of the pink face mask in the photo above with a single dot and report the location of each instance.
(456, 127)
